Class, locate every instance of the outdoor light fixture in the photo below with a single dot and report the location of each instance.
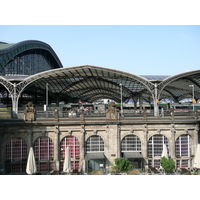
(47, 94)
(122, 115)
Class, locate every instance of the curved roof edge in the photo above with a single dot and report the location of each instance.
(175, 77)
(140, 79)
(25, 46)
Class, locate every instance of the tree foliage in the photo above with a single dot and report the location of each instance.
(167, 164)
(122, 165)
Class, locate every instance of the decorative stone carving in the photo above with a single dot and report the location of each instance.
(112, 112)
(82, 114)
(29, 112)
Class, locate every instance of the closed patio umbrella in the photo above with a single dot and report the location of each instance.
(31, 164)
(197, 157)
(67, 161)
(164, 151)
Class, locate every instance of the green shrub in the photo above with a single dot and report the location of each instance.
(122, 165)
(167, 164)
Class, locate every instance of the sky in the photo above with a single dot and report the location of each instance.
(137, 49)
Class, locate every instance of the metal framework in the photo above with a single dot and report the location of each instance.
(177, 87)
(87, 83)
(18, 57)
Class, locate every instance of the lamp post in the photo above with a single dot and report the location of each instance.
(47, 94)
(192, 95)
(122, 115)
(47, 99)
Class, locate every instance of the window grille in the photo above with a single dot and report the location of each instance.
(183, 146)
(155, 145)
(16, 155)
(27, 65)
(74, 148)
(44, 150)
(131, 143)
(94, 143)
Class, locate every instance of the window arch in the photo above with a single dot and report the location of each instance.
(131, 143)
(44, 153)
(183, 146)
(94, 143)
(74, 148)
(155, 148)
(183, 149)
(155, 145)
(16, 155)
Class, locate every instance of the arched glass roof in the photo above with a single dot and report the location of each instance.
(89, 83)
(179, 86)
(28, 55)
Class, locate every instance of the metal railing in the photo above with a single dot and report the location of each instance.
(93, 114)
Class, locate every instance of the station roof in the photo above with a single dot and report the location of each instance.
(89, 83)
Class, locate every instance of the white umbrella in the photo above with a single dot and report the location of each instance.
(67, 162)
(31, 164)
(164, 151)
(197, 157)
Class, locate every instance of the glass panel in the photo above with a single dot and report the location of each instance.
(155, 145)
(74, 148)
(16, 150)
(131, 143)
(94, 143)
(182, 146)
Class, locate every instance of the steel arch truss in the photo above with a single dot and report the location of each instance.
(7, 84)
(89, 83)
(177, 87)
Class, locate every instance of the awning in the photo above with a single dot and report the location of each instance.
(129, 155)
(95, 156)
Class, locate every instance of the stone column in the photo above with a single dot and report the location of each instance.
(56, 149)
(172, 144)
(118, 141)
(82, 151)
(144, 147)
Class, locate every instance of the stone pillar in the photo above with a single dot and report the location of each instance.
(118, 141)
(82, 151)
(56, 149)
(14, 102)
(172, 144)
(145, 147)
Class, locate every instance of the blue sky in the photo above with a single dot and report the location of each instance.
(141, 50)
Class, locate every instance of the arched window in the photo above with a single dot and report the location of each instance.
(131, 143)
(182, 145)
(183, 149)
(16, 155)
(155, 148)
(74, 148)
(94, 143)
(44, 153)
(155, 145)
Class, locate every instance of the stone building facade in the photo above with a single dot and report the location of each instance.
(100, 142)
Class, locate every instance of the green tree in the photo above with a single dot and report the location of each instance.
(122, 165)
(167, 164)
